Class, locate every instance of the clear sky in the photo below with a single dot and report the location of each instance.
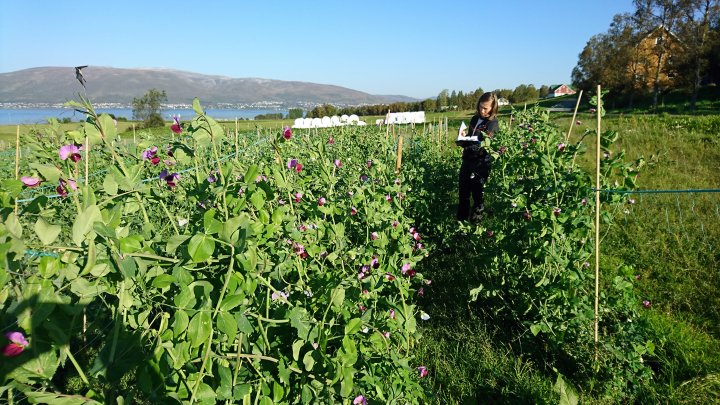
(413, 48)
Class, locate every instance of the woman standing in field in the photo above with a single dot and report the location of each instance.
(475, 168)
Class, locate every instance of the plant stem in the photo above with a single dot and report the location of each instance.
(77, 366)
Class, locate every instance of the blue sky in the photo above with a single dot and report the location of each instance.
(413, 48)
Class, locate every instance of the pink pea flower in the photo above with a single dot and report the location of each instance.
(338, 163)
(592, 110)
(421, 292)
(527, 216)
(389, 277)
(584, 201)
(374, 235)
(392, 314)
(374, 263)
(502, 149)
(387, 335)
(298, 196)
(30, 181)
(405, 268)
(287, 133)
(363, 178)
(647, 304)
(561, 147)
(321, 201)
(578, 122)
(292, 163)
(556, 212)
(388, 197)
(637, 277)
(149, 153)
(331, 140)
(359, 400)
(155, 160)
(353, 211)
(423, 371)
(395, 224)
(17, 344)
(490, 233)
(369, 163)
(69, 151)
(175, 127)
(416, 236)
(298, 167)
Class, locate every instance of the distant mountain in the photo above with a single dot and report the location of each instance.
(51, 85)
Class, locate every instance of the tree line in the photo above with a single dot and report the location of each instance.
(663, 45)
(445, 100)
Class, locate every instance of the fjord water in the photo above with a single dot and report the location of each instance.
(13, 116)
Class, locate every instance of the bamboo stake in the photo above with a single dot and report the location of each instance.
(387, 125)
(17, 160)
(567, 137)
(399, 154)
(87, 159)
(597, 220)
(237, 137)
(134, 139)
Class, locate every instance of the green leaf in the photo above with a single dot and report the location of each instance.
(180, 323)
(196, 107)
(201, 248)
(110, 186)
(46, 231)
(296, 349)
(568, 395)
(353, 326)
(109, 129)
(199, 328)
(14, 187)
(84, 288)
(212, 225)
(131, 244)
(163, 280)
(231, 301)
(49, 172)
(175, 241)
(227, 324)
(258, 198)
(308, 361)
(338, 296)
(535, 329)
(84, 223)
(251, 174)
(230, 227)
(244, 324)
(12, 223)
(299, 320)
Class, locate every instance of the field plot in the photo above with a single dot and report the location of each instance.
(319, 266)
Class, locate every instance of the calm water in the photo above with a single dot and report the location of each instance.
(12, 116)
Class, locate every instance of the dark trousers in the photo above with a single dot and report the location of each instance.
(472, 179)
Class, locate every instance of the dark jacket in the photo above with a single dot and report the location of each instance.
(473, 152)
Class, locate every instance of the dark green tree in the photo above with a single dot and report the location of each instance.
(147, 108)
(294, 113)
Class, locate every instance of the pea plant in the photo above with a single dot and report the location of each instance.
(189, 273)
(534, 258)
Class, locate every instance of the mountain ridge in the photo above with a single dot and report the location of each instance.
(57, 84)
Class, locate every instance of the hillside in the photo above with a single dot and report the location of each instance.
(112, 85)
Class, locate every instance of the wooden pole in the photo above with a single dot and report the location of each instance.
(87, 159)
(134, 139)
(577, 104)
(398, 162)
(597, 221)
(17, 160)
(237, 137)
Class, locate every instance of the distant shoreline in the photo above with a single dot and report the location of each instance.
(39, 115)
